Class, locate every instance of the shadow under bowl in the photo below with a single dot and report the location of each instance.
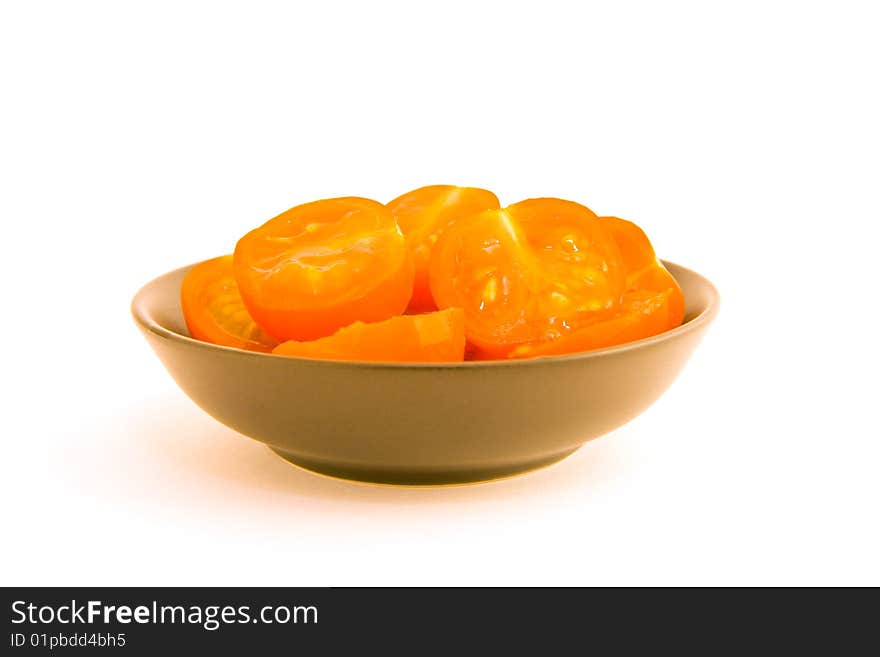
(422, 424)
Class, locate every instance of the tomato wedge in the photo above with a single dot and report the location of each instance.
(213, 309)
(321, 266)
(422, 215)
(528, 273)
(429, 338)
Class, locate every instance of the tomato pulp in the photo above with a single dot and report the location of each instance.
(213, 309)
(652, 303)
(422, 215)
(428, 338)
(527, 274)
(321, 266)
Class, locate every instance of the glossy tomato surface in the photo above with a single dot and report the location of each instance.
(213, 309)
(321, 266)
(644, 271)
(652, 303)
(641, 314)
(526, 274)
(423, 214)
(428, 338)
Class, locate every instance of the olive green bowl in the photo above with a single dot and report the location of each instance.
(397, 423)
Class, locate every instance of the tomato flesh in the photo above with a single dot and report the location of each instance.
(644, 271)
(427, 338)
(526, 274)
(214, 311)
(652, 304)
(422, 215)
(321, 266)
(642, 314)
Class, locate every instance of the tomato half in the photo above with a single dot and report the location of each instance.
(642, 314)
(422, 215)
(652, 304)
(213, 309)
(428, 338)
(528, 273)
(321, 266)
(644, 271)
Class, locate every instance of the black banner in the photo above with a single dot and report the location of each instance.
(151, 621)
(312, 620)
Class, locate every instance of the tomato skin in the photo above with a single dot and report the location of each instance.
(427, 338)
(323, 265)
(525, 274)
(213, 309)
(423, 214)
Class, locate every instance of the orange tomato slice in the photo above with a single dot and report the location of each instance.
(213, 309)
(652, 304)
(422, 215)
(528, 273)
(323, 265)
(642, 314)
(644, 271)
(429, 338)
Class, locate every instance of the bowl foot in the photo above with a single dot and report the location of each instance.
(402, 476)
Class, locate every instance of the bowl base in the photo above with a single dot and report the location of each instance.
(419, 477)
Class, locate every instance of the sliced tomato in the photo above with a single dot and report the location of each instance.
(653, 301)
(644, 271)
(213, 309)
(422, 215)
(528, 273)
(321, 266)
(642, 314)
(429, 338)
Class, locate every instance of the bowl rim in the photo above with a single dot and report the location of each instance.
(145, 320)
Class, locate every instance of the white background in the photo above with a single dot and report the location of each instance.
(136, 139)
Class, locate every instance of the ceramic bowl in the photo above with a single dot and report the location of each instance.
(399, 423)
